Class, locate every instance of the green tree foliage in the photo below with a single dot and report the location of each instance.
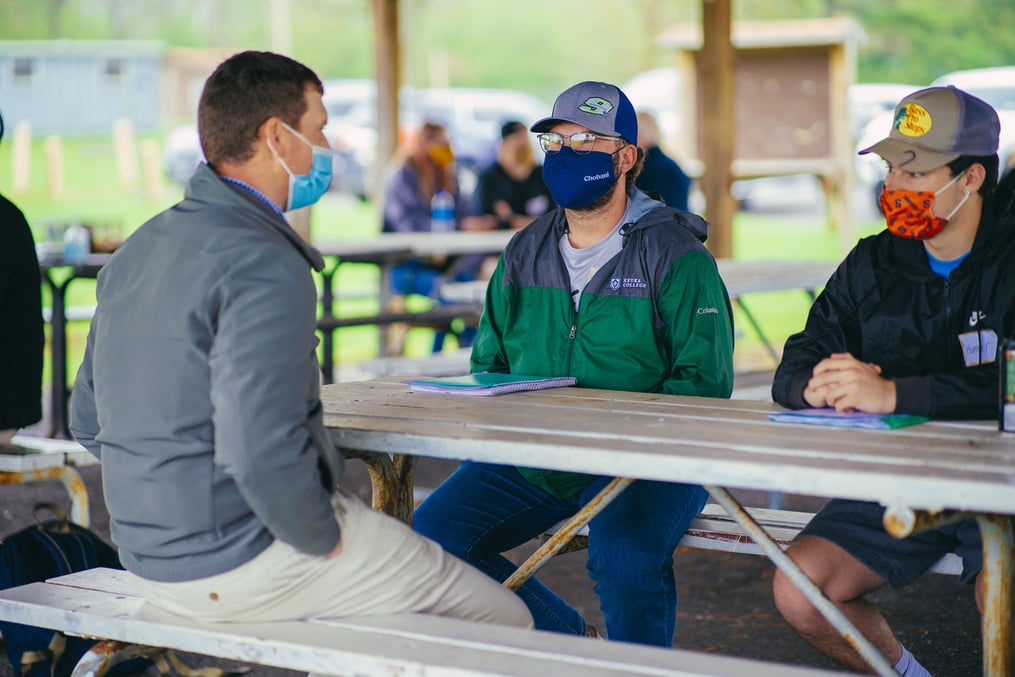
(535, 45)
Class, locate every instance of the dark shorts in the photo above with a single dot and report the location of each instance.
(856, 527)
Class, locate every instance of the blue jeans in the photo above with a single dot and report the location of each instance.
(483, 510)
(415, 277)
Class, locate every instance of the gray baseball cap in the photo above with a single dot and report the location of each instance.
(936, 125)
(597, 106)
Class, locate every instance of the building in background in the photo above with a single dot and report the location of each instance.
(81, 86)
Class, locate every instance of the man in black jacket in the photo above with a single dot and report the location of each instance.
(908, 323)
(22, 340)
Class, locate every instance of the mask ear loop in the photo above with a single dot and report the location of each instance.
(965, 197)
(279, 157)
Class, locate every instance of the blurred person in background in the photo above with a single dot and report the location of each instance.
(511, 191)
(512, 188)
(23, 338)
(426, 166)
(661, 177)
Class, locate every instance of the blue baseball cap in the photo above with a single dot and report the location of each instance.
(598, 106)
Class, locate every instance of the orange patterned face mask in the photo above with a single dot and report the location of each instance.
(908, 212)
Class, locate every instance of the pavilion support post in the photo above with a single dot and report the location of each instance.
(717, 121)
(387, 59)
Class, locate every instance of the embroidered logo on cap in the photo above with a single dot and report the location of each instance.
(913, 120)
(596, 105)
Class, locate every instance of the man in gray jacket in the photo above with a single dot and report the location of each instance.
(199, 392)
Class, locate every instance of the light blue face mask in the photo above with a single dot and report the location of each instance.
(306, 190)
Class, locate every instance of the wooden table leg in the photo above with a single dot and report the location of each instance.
(391, 482)
(563, 535)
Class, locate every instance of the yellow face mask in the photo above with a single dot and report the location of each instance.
(523, 154)
(442, 155)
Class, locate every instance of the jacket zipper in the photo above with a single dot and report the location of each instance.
(948, 302)
(571, 339)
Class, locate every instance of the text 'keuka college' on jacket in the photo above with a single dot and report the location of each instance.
(935, 338)
(655, 318)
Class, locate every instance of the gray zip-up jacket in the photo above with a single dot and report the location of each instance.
(199, 389)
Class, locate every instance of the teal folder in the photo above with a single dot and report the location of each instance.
(840, 419)
(484, 384)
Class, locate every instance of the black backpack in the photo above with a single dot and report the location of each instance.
(38, 552)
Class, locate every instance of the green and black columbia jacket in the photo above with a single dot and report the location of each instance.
(656, 318)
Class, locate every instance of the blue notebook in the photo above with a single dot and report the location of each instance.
(484, 384)
(841, 419)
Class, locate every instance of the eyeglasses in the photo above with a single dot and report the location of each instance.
(581, 143)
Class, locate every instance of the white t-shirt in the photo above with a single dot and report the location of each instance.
(582, 264)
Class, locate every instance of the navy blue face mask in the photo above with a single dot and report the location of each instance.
(577, 180)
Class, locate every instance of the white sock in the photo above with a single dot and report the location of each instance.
(908, 666)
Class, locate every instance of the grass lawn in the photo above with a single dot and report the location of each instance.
(93, 194)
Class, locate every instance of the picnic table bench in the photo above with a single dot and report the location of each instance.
(102, 603)
(34, 459)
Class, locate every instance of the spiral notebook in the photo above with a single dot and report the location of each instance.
(840, 419)
(485, 384)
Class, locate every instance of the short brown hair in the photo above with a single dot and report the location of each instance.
(245, 90)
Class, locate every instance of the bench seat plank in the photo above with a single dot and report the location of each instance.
(99, 603)
(33, 453)
(713, 529)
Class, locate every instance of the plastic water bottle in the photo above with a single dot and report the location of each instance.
(77, 244)
(442, 212)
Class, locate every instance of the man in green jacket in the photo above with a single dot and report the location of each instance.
(618, 290)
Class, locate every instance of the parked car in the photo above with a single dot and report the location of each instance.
(182, 154)
(867, 100)
(342, 98)
(658, 91)
(472, 116)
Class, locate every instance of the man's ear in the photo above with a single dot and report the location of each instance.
(270, 132)
(974, 177)
(629, 157)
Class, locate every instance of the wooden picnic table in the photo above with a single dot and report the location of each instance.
(741, 277)
(35, 459)
(59, 391)
(384, 250)
(919, 473)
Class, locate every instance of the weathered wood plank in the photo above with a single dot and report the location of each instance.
(730, 443)
(100, 603)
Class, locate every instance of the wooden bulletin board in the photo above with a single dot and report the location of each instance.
(791, 113)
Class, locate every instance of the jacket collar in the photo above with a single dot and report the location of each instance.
(206, 186)
(644, 212)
